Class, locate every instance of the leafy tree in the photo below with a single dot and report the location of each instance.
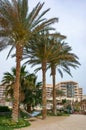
(17, 27)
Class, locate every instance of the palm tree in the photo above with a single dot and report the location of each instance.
(8, 81)
(38, 94)
(40, 53)
(63, 60)
(17, 27)
(30, 92)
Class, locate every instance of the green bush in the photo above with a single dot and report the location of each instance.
(7, 122)
(5, 128)
(23, 114)
(5, 111)
(59, 113)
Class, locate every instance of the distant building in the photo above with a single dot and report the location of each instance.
(84, 97)
(49, 89)
(2, 95)
(3, 101)
(71, 90)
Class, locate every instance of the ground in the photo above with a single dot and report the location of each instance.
(72, 122)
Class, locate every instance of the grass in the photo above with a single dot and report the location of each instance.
(5, 128)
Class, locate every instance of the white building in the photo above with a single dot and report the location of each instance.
(71, 91)
(2, 95)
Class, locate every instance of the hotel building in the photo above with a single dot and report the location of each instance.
(2, 95)
(71, 90)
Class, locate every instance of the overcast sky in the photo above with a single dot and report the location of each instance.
(72, 23)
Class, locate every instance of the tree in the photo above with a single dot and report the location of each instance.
(33, 95)
(40, 53)
(30, 92)
(17, 27)
(63, 60)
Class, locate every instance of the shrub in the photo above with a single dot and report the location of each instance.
(5, 111)
(23, 114)
(7, 122)
(5, 128)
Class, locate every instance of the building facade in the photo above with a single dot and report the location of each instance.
(71, 90)
(2, 95)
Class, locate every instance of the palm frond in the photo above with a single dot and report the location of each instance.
(60, 72)
(10, 52)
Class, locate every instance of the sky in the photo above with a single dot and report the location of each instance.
(72, 23)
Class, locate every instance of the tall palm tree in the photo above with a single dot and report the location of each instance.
(63, 60)
(17, 27)
(40, 53)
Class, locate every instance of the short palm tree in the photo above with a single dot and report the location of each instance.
(17, 27)
(33, 92)
(30, 92)
(8, 81)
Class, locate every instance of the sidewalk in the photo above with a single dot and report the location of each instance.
(72, 122)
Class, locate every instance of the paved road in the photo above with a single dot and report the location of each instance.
(72, 122)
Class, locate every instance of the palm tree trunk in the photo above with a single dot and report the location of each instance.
(15, 111)
(54, 90)
(44, 111)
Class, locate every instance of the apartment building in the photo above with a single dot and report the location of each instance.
(71, 90)
(49, 89)
(2, 96)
